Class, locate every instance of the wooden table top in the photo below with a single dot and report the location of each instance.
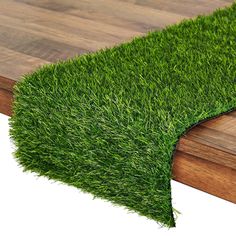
(36, 32)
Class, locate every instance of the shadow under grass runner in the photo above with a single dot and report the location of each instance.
(108, 122)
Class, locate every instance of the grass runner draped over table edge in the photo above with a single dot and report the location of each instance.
(108, 122)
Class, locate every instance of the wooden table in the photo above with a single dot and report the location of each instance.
(36, 32)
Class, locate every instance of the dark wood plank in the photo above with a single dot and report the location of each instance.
(210, 177)
(36, 46)
(225, 124)
(6, 98)
(207, 152)
(6, 95)
(233, 113)
(6, 83)
(14, 64)
(213, 138)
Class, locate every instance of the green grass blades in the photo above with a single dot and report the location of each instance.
(108, 123)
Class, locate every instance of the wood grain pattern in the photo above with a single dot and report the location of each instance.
(6, 101)
(36, 32)
(41, 31)
(205, 175)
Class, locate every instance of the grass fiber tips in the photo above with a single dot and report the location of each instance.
(108, 122)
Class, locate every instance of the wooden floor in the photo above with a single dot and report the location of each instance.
(36, 32)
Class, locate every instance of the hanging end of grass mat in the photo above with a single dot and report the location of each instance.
(107, 123)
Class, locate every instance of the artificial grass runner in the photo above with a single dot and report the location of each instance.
(108, 122)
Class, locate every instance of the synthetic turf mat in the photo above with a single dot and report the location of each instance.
(108, 122)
